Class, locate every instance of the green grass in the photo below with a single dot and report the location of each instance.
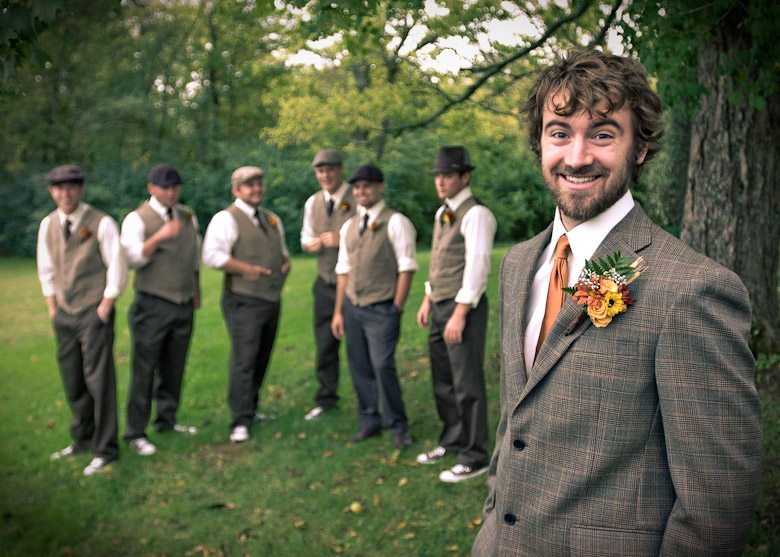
(287, 491)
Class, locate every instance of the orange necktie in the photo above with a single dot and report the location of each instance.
(555, 294)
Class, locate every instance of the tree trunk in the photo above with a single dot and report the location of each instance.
(732, 203)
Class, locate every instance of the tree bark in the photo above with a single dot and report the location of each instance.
(732, 202)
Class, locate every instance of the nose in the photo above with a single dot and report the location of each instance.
(578, 154)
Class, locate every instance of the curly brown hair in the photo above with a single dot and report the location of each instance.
(586, 79)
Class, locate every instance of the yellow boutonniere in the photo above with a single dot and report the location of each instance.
(602, 287)
(272, 220)
(84, 233)
(344, 206)
(374, 225)
(447, 217)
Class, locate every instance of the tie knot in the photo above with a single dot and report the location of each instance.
(562, 247)
(169, 212)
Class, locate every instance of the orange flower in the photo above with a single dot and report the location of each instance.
(344, 206)
(606, 285)
(448, 217)
(84, 232)
(272, 220)
(597, 308)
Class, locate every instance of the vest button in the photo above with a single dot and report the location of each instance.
(519, 444)
(510, 519)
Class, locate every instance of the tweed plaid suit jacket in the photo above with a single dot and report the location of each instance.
(642, 438)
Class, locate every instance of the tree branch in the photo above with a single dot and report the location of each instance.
(601, 37)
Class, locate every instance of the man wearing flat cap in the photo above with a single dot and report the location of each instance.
(456, 308)
(324, 214)
(247, 242)
(161, 242)
(376, 263)
(82, 269)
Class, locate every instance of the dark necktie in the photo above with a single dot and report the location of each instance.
(555, 294)
(329, 207)
(170, 214)
(364, 224)
(66, 229)
(260, 220)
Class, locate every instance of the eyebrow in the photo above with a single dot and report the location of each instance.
(601, 122)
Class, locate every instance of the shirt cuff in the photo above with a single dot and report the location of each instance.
(469, 297)
(407, 264)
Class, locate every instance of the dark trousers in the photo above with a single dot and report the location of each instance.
(85, 355)
(459, 383)
(327, 345)
(252, 325)
(372, 335)
(161, 333)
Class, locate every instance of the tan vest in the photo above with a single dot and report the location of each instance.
(373, 267)
(258, 247)
(448, 255)
(321, 222)
(79, 271)
(170, 272)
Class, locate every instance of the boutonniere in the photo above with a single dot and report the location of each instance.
(84, 233)
(447, 217)
(602, 287)
(187, 215)
(344, 206)
(374, 225)
(272, 220)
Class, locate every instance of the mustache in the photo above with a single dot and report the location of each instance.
(580, 171)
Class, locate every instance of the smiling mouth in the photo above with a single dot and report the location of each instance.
(579, 179)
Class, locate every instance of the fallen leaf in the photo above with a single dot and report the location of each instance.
(402, 482)
(302, 435)
(376, 500)
(401, 525)
(298, 523)
(354, 507)
(327, 454)
(452, 548)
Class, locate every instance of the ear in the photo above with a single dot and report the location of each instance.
(149, 186)
(641, 154)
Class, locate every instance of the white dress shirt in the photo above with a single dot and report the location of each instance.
(134, 234)
(111, 251)
(308, 234)
(478, 228)
(222, 233)
(400, 231)
(584, 239)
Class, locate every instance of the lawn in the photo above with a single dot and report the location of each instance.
(296, 488)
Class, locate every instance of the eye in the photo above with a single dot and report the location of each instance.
(559, 135)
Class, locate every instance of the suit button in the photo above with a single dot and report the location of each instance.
(510, 519)
(519, 444)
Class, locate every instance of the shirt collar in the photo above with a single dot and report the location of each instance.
(338, 195)
(373, 212)
(459, 198)
(158, 207)
(246, 207)
(75, 216)
(586, 237)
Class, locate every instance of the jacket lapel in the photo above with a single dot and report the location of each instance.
(629, 236)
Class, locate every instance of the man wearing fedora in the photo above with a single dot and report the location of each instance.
(324, 214)
(82, 270)
(161, 242)
(456, 309)
(247, 242)
(376, 263)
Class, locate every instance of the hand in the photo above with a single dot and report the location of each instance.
(196, 299)
(254, 272)
(337, 325)
(329, 239)
(104, 309)
(314, 246)
(285, 267)
(170, 229)
(453, 330)
(424, 313)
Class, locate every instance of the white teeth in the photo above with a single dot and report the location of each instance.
(580, 179)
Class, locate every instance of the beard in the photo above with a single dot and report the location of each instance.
(581, 206)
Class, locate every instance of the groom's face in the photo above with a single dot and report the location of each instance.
(587, 159)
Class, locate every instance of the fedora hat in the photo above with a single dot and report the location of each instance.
(453, 159)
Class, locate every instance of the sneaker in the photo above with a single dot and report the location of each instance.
(461, 472)
(261, 417)
(239, 434)
(67, 451)
(187, 429)
(96, 466)
(143, 446)
(431, 456)
(315, 412)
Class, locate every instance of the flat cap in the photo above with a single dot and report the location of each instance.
(244, 173)
(326, 156)
(164, 175)
(453, 158)
(65, 173)
(367, 172)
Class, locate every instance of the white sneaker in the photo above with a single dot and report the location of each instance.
(143, 446)
(431, 456)
(260, 417)
(96, 466)
(315, 412)
(188, 429)
(67, 451)
(461, 472)
(239, 434)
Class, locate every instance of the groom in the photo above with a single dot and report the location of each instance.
(640, 436)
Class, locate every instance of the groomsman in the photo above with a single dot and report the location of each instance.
(82, 270)
(376, 263)
(161, 241)
(247, 242)
(324, 214)
(456, 308)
